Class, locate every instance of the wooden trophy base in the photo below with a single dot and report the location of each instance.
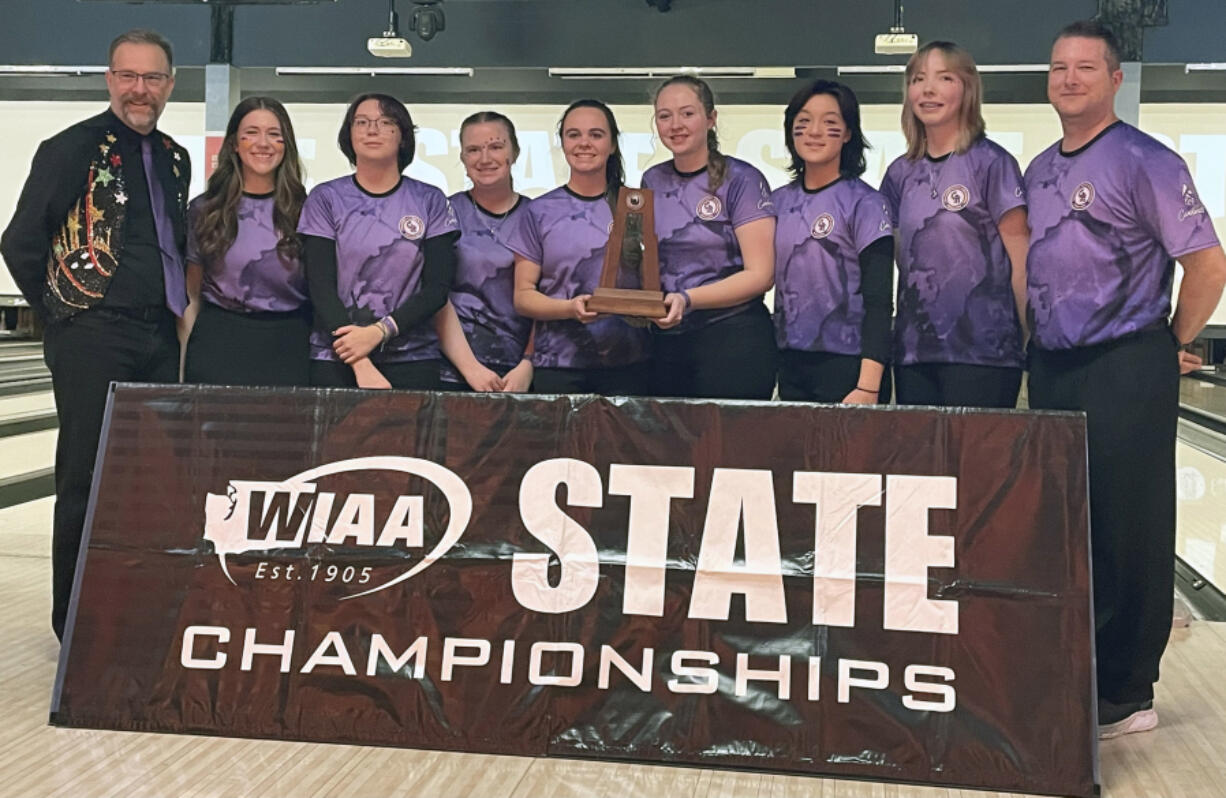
(628, 302)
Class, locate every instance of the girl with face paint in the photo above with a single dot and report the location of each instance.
(960, 214)
(484, 338)
(834, 257)
(559, 245)
(249, 318)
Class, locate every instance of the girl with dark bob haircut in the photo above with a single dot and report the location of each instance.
(380, 258)
(834, 257)
(851, 160)
(390, 108)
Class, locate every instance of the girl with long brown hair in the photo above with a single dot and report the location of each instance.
(248, 319)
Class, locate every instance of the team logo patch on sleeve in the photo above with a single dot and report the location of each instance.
(1083, 196)
(1192, 206)
(956, 198)
(822, 226)
(412, 227)
(709, 208)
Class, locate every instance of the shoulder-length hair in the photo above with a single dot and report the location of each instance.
(851, 160)
(218, 226)
(971, 126)
(390, 107)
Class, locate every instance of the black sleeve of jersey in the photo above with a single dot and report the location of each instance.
(319, 261)
(876, 282)
(437, 275)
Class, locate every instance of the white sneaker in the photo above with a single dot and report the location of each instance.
(1142, 720)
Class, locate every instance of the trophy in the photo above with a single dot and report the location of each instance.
(631, 257)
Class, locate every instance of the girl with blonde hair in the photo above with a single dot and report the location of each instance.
(960, 216)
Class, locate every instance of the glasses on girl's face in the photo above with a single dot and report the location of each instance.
(154, 80)
(384, 124)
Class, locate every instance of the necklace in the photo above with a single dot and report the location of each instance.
(934, 175)
(492, 221)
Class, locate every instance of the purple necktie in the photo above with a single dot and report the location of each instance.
(172, 261)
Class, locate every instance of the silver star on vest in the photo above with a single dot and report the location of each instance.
(121, 198)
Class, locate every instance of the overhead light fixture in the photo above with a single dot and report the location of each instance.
(1014, 67)
(1216, 66)
(633, 73)
(391, 44)
(47, 70)
(465, 72)
(873, 69)
(897, 41)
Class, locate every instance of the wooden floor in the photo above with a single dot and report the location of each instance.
(1184, 757)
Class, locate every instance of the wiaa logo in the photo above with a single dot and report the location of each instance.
(257, 516)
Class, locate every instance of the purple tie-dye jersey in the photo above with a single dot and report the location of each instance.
(378, 255)
(252, 276)
(566, 235)
(818, 240)
(483, 295)
(1105, 223)
(697, 228)
(955, 295)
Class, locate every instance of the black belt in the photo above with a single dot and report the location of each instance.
(151, 313)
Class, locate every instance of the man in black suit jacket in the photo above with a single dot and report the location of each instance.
(96, 247)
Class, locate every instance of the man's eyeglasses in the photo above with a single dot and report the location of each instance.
(154, 80)
(384, 124)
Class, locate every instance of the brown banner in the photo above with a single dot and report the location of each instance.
(876, 593)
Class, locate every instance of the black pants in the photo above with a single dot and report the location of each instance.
(734, 358)
(957, 385)
(85, 354)
(1129, 390)
(228, 348)
(822, 377)
(629, 380)
(415, 375)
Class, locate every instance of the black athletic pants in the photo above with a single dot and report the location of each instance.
(229, 348)
(629, 380)
(415, 375)
(1129, 390)
(85, 354)
(822, 377)
(733, 358)
(957, 385)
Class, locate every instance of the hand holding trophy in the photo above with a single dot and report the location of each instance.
(632, 250)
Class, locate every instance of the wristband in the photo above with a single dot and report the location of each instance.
(866, 390)
(688, 302)
(389, 324)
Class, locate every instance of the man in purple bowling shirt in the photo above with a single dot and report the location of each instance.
(1111, 209)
